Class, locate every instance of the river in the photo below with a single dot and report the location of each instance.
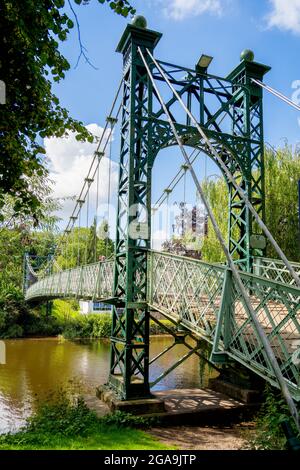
(35, 367)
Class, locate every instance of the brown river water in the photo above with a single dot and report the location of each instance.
(35, 367)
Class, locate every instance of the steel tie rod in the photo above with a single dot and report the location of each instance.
(276, 93)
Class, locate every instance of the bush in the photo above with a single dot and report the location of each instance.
(58, 415)
(13, 311)
(41, 324)
(121, 419)
(17, 320)
(62, 415)
(269, 434)
(156, 329)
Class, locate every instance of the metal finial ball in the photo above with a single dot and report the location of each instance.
(248, 55)
(139, 21)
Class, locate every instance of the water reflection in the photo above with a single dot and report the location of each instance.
(36, 366)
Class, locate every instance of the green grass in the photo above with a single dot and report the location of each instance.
(107, 438)
(63, 423)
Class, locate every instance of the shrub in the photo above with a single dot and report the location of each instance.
(156, 329)
(269, 434)
(119, 418)
(58, 415)
(13, 311)
(61, 415)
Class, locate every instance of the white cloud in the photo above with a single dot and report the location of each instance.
(182, 9)
(69, 164)
(285, 15)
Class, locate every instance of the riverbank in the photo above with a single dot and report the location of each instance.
(64, 319)
(34, 367)
(64, 423)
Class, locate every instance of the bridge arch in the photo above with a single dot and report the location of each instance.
(231, 153)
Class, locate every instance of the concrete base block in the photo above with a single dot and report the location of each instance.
(183, 406)
(236, 392)
(146, 406)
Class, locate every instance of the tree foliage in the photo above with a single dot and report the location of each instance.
(282, 176)
(217, 195)
(282, 173)
(84, 246)
(30, 60)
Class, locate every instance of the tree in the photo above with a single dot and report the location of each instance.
(17, 216)
(217, 196)
(282, 173)
(190, 225)
(31, 32)
(84, 245)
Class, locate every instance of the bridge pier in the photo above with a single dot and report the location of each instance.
(238, 383)
(141, 406)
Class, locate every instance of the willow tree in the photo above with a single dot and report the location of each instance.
(282, 173)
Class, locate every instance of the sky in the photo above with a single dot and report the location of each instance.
(220, 28)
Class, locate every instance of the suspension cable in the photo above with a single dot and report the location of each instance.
(82, 196)
(87, 235)
(276, 93)
(78, 237)
(230, 176)
(260, 331)
(111, 121)
(97, 205)
(175, 181)
(97, 153)
(185, 168)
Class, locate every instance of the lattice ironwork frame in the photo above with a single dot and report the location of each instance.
(92, 282)
(230, 112)
(130, 324)
(144, 132)
(204, 298)
(274, 270)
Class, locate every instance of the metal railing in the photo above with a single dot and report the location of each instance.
(92, 281)
(205, 299)
(275, 270)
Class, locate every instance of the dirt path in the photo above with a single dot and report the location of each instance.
(204, 438)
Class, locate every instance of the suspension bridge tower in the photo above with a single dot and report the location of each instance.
(237, 140)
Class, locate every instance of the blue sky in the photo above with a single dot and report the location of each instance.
(221, 28)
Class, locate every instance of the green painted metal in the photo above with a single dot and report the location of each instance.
(202, 298)
(93, 281)
(144, 132)
(130, 326)
(274, 270)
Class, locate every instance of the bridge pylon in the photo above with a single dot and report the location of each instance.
(145, 130)
(129, 367)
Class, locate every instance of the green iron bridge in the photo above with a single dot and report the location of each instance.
(248, 309)
(203, 298)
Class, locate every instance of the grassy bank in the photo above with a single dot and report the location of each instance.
(66, 320)
(62, 423)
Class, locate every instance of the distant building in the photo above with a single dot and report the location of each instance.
(90, 306)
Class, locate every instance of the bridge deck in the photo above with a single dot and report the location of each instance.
(204, 298)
